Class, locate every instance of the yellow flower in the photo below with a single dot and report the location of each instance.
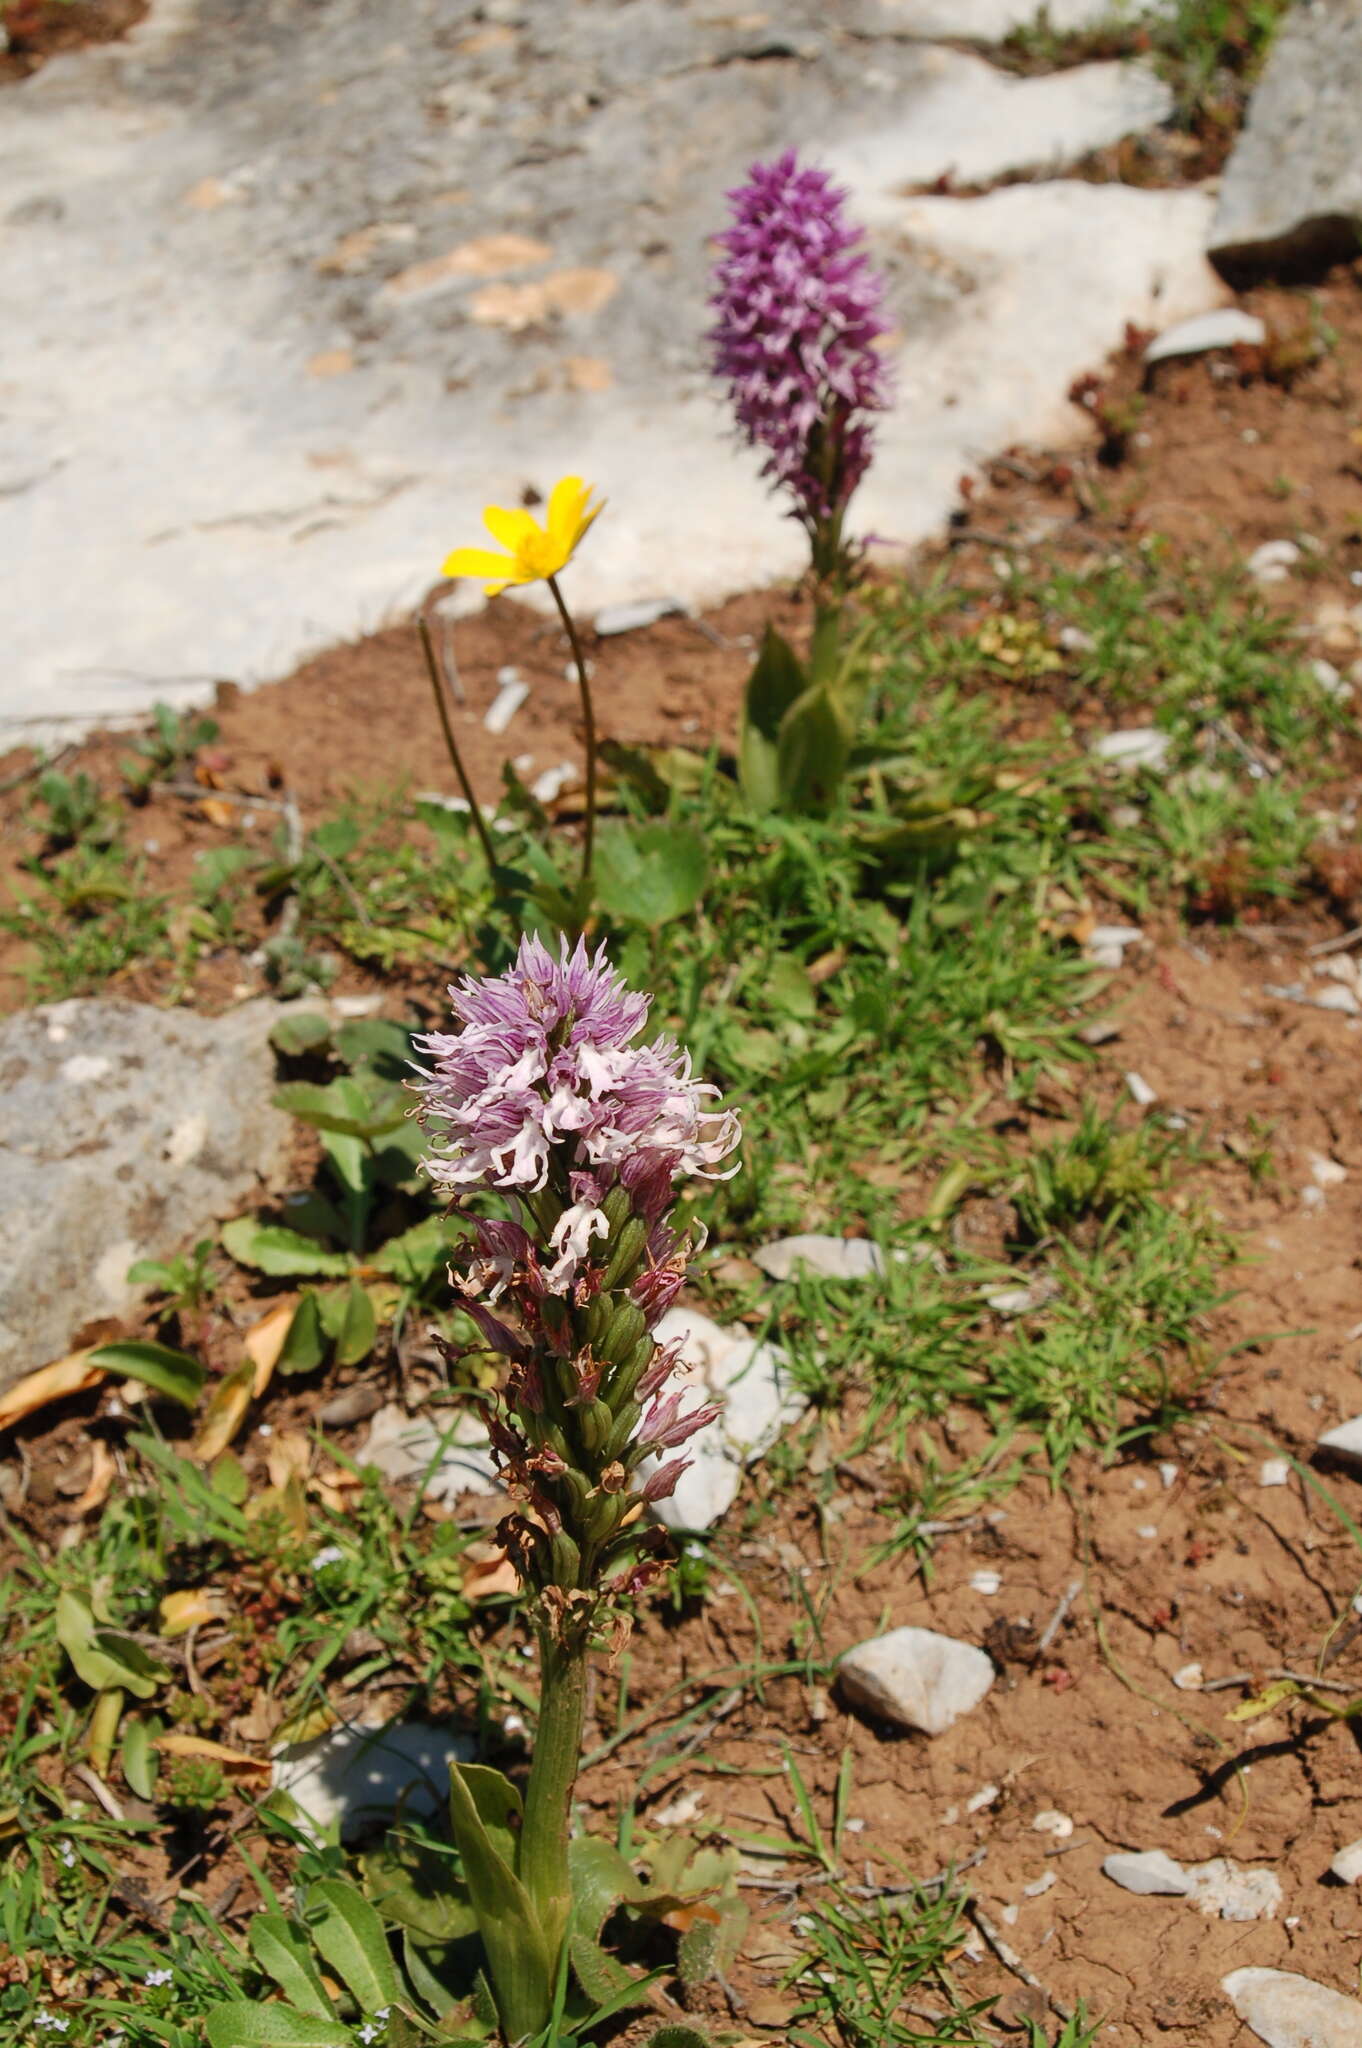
(532, 550)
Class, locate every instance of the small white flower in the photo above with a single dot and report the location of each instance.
(330, 1554)
(158, 1977)
(66, 1855)
(52, 2020)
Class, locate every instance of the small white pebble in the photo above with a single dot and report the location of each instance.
(1168, 1474)
(1148, 1531)
(950, 1816)
(1327, 1173)
(1053, 1822)
(977, 1801)
(1140, 1090)
(1274, 1472)
(986, 1582)
(1010, 1915)
(1041, 1884)
(1139, 1485)
(1312, 1197)
(1190, 1678)
(1292, 1920)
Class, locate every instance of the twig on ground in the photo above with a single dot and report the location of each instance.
(101, 1791)
(1010, 1960)
(1338, 945)
(1060, 1615)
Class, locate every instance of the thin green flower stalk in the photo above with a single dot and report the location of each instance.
(546, 1097)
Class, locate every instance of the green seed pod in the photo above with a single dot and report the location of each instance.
(626, 1326)
(626, 1422)
(625, 1252)
(567, 1561)
(623, 1382)
(595, 1423)
(617, 1208)
(596, 1319)
(605, 1514)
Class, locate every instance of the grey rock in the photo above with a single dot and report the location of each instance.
(752, 1381)
(1346, 1863)
(1292, 190)
(832, 1258)
(1288, 2011)
(1221, 328)
(916, 1678)
(348, 1780)
(127, 1130)
(977, 21)
(1147, 1871)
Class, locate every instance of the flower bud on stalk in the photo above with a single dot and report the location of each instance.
(545, 1095)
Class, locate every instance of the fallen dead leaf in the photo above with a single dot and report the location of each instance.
(69, 1375)
(265, 1340)
(194, 1607)
(490, 1576)
(219, 812)
(288, 1456)
(234, 1761)
(224, 1414)
(103, 1466)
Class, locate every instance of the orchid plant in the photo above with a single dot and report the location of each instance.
(546, 1098)
(798, 325)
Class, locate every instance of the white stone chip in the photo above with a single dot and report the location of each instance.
(1050, 1821)
(1289, 2011)
(511, 694)
(1273, 561)
(752, 1381)
(986, 1582)
(1190, 1678)
(1140, 1090)
(917, 1678)
(1147, 1871)
(1347, 1863)
(1040, 1885)
(1274, 1472)
(1345, 1441)
(1138, 746)
(645, 611)
(1220, 328)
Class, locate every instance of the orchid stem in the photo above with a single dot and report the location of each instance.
(553, 1773)
(589, 722)
(438, 685)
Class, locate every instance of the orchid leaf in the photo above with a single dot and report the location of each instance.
(105, 1658)
(776, 683)
(243, 2024)
(283, 1952)
(165, 1371)
(481, 1806)
(350, 1936)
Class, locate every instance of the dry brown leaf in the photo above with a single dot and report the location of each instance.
(218, 811)
(265, 1340)
(336, 1488)
(234, 1761)
(288, 1456)
(103, 1466)
(69, 1375)
(195, 1607)
(490, 1576)
(224, 1414)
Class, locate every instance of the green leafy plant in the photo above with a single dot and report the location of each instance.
(174, 739)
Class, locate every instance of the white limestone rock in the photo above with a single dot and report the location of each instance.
(832, 1258)
(752, 1382)
(916, 1678)
(977, 21)
(1289, 2011)
(449, 1453)
(1233, 1891)
(1347, 1863)
(346, 1781)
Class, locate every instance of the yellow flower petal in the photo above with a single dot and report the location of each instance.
(481, 562)
(510, 528)
(568, 517)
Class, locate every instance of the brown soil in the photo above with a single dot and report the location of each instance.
(1198, 1565)
(38, 29)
